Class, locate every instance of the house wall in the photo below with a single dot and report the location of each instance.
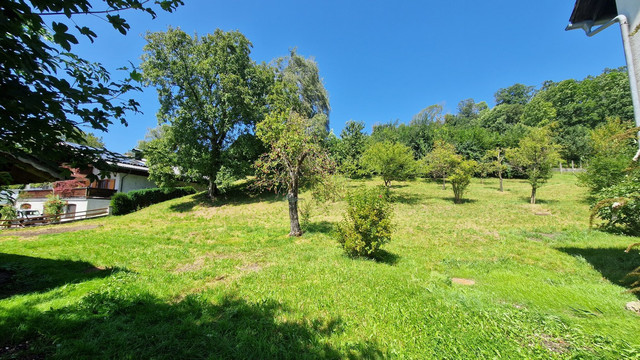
(130, 182)
(82, 205)
(36, 204)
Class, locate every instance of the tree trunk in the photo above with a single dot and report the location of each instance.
(500, 177)
(293, 213)
(533, 195)
(212, 191)
(444, 183)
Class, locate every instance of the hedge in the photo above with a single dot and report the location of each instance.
(124, 203)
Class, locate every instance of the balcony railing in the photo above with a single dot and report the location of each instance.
(77, 193)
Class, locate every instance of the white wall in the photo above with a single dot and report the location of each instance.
(130, 182)
(36, 204)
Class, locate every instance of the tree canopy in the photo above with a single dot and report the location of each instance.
(210, 93)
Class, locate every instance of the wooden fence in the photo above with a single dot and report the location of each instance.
(54, 219)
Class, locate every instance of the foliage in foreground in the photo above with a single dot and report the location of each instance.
(367, 223)
(48, 92)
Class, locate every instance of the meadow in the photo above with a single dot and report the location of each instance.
(191, 279)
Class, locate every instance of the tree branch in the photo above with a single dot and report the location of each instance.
(91, 12)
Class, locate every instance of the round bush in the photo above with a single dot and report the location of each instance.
(121, 204)
(367, 223)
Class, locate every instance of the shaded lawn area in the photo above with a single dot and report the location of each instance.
(190, 279)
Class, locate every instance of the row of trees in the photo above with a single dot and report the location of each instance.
(571, 108)
(533, 158)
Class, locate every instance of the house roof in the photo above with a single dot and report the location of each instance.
(122, 162)
(25, 169)
(592, 12)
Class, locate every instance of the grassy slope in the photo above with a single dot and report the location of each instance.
(185, 280)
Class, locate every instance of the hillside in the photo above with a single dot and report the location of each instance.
(185, 279)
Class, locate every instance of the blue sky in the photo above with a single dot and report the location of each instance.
(380, 60)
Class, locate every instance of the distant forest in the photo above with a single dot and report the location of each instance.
(570, 108)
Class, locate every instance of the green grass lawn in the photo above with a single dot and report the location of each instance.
(184, 279)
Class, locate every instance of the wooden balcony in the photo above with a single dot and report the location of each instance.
(77, 193)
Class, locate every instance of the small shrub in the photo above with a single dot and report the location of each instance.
(121, 204)
(304, 209)
(619, 206)
(367, 223)
(7, 212)
(460, 178)
(54, 206)
(225, 179)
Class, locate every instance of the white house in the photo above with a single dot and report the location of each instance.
(84, 197)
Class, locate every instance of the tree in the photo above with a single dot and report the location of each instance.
(430, 114)
(210, 92)
(440, 161)
(392, 161)
(460, 178)
(158, 148)
(352, 145)
(296, 156)
(496, 162)
(514, 94)
(538, 112)
(90, 139)
(47, 92)
(303, 74)
(535, 156)
(468, 112)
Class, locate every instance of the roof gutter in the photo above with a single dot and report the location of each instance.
(587, 26)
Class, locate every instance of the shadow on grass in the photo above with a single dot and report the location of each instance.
(239, 195)
(527, 199)
(462, 201)
(125, 326)
(21, 274)
(323, 227)
(614, 264)
(398, 186)
(408, 199)
(385, 257)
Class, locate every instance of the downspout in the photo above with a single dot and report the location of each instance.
(122, 181)
(635, 97)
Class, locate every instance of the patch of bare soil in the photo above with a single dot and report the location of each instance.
(461, 281)
(194, 266)
(254, 267)
(94, 269)
(47, 231)
(536, 238)
(555, 345)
